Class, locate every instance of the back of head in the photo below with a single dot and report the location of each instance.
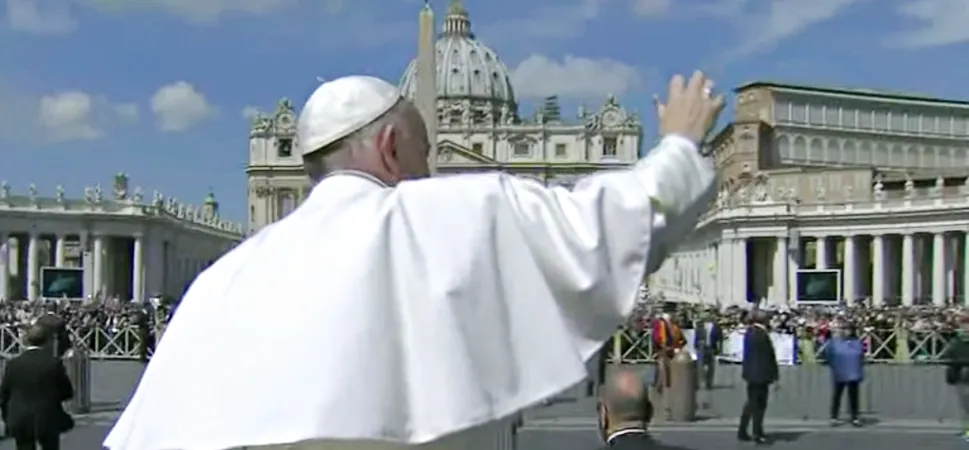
(625, 398)
(38, 335)
(758, 317)
(362, 123)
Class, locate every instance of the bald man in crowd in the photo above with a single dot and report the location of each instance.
(625, 411)
(455, 301)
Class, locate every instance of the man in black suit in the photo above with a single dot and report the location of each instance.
(759, 371)
(31, 391)
(624, 411)
(56, 328)
(709, 342)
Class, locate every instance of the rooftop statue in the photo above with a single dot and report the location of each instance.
(121, 186)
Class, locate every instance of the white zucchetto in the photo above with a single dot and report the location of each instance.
(340, 107)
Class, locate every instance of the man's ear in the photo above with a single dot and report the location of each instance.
(386, 143)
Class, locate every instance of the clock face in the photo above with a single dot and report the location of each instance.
(285, 121)
(610, 118)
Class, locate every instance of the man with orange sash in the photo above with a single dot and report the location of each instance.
(668, 339)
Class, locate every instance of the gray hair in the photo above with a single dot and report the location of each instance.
(337, 155)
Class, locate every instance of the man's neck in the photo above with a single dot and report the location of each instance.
(624, 429)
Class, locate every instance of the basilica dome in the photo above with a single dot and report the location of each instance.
(466, 68)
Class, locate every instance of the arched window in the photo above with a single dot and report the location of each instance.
(287, 202)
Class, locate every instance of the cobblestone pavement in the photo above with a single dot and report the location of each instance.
(809, 436)
(723, 439)
(569, 424)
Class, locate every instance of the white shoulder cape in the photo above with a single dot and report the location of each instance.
(404, 315)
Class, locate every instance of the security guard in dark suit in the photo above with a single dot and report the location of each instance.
(32, 389)
(759, 371)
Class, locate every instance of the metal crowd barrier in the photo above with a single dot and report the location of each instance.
(893, 346)
(96, 342)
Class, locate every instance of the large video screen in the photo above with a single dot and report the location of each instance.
(62, 282)
(818, 286)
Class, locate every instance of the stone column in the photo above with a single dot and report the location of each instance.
(878, 270)
(938, 269)
(33, 267)
(60, 247)
(99, 263)
(965, 269)
(720, 270)
(4, 266)
(739, 279)
(794, 257)
(850, 274)
(821, 253)
(781, 269)
(137, 270)
(908, 269)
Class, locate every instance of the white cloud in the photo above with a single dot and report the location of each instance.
(127, 112)
(68, 116)
(250, 112)
(943, 23)
(761, 25)
(564, 20)
(652, 8)
(42, 17)
(78, 116)
(179, 106)
(575, 77)
(212, 10)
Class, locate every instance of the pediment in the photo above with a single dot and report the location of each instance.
(450, 153)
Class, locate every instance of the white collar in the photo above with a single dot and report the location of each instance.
(358, 173)
(625, 431)
(352, 174)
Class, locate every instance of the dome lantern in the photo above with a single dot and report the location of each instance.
(456, 23)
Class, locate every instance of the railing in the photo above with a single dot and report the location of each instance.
(896, 346)
(100, 343)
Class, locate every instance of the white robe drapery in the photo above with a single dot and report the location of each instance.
(404, 315)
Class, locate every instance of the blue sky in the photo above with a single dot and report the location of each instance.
(158, 88)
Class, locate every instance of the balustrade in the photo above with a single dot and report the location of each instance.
(121, 201)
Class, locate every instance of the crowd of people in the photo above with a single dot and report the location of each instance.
(925, 329)
(817, 319)
(109, 327)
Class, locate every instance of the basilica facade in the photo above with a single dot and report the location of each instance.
(479, 127)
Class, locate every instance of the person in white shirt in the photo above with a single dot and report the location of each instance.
(428, 311)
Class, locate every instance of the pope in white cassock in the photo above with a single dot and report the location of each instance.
(391, 309)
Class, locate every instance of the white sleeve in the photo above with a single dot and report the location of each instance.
(596, 243)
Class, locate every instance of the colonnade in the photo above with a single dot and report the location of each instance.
(906, 268)
(114, 266)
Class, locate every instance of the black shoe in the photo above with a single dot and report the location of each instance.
(742, 436)
(760, 440)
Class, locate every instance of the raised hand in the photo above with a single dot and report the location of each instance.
(691, 111)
